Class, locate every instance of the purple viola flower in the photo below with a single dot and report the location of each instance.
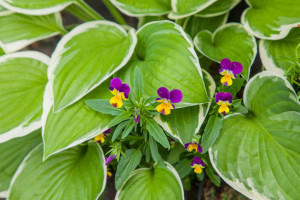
(107, 132)
(101, 137)
(193, 146)
(229, 70)
(223, 100)
(197, 164)
(120, 91)
(167, 99)
(109, 159)
(137, 118)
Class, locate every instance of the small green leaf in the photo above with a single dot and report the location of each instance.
(213, 176)
(128, 128)
(103, 106)
(154, 151)
(118, 119)
(157, 133)
(183, 168)
(119, 129)
(220, 7)
(174, 155)
(138, 83)
(127, 164)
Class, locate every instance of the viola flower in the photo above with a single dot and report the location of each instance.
(223, 100)
(229, 70)
(109, 159)
(167, 99)
(172, 143)
(198, 165)
(120, 90)
(101, 137)
(137, 118)
(193, 146)
(109, 174)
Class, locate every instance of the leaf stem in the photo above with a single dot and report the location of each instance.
(88, 10)
(115, 13)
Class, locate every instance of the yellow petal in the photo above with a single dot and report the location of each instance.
(116, 101)
(100, 138)
(114, 92)
(223, 108)
(226, 79)
(198, 170)
(192, 147)
(123, 96)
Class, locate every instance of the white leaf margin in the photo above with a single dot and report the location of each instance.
(20, 130)
(168, 166)
(236, 2)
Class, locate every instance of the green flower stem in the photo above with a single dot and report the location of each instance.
(115, 13)
(87, 10)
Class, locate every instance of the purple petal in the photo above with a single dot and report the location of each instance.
(197, 160)
(219, 96)
(157, 99)
(137, 119)
(227, 97)
(236, 67)
(225, 63)
(116, 83)
(109, 159)
(187, 145)
(221, 70)
(125, 88)
(173, 106)
(199, 148)
(163, 93)
(111, 88)
(175, 96)
(107, 131)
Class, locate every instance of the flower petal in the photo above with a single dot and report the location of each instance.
(109, 159)
(197, 160)
(227, 96)
(236, 68)
(163, 93)
(219, 96)
(225, 63)
(175, 96)
(137, 119)
(115, 83)
(107, 131)
(125, 89)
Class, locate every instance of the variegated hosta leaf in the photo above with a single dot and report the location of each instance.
(12, 154)
(183, 123)
(218, 8)
(185, 8)
(77, 173)
(21, 30)
(281, 55)
(74, 124)
(4, 11)
(152, 183)
(23, 77)
(258, 154)
(241, 48)
(143, 8)
(165, 63)
(86, 57)
(271, 19)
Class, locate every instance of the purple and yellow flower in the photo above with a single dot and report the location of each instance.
(101, 137)
(167, 99)
(229, 71)
(198, 165)
(223, 100)
(172, 143)
(120, 90)
(108, 174)
(109, 159)
(193, 146)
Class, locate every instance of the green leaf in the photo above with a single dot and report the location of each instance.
(143, 8)
(118, 119)
(220, 7)
(174, 155)
(271, 19)
(152, 183)
(118, 130)
(77, 173)
(173, 64)
(106, 51)
(211, 173)
(154, 151)
(157, 133)
(183, 168)
(128, 128)
(23, 77)
(258, 154)
(74, 124)
(241, 48)
(12, 154)
(234, 88)
(183, 8)
(103, 106)
(211, 132)
(22, 30)
(1, 51)
(127, 164)
(280, 55)
(138, 83)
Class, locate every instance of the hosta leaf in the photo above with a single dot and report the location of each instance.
(22, 30)
(281, 55)
(241, 48)
(258, 154)
(183, 123)
(218, 8)
(142, 8)
(79, 65)
(271, 19)
(4, 11)
(74, 124)
(156, 183)
(77, 173)
(23, 77)
(164, 62)
(185, 8)
(12, 154)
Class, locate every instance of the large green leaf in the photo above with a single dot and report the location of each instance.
(258, 154)
(218, 8)
(12, 154)
(271, 19)
(185, 8)
(143, 8)
(164, 62)
(4, 11)
(152, 183)
(78, 64)
(23, 77)
(280, 55)
(183, 123)
(74, 124)
(22, 30)
(77, 173)
(241, 48)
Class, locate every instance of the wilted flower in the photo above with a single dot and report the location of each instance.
(137, 118)
(109, 159)
(193, 146)
(120, 90)
(167, 99)
(223, 100)
(198, 165)
(229, 70)
(101, 137)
